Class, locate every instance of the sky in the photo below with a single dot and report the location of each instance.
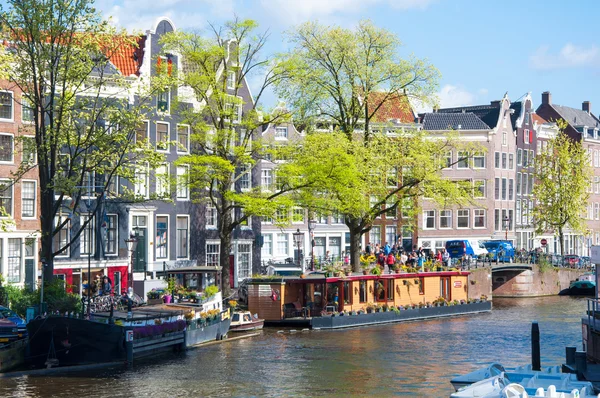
(483, 49)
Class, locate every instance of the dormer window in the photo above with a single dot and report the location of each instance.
(281, 133)
(231, 80)
(526, 118)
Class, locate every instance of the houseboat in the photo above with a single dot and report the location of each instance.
(323, 302)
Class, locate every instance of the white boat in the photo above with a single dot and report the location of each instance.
(536, 385)
(496, 369)
(244, 321)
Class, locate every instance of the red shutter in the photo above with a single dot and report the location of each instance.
(530, 136)
(169, 66)
(158, 62)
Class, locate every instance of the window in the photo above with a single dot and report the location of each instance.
(162, 136)
(14, 260)
(497, 160)
(6, 197)
(375, 235)
(525, 164)
(510, 189)
(267, 179)
(6, 147)
(282, 216)
(211, 217)
(245, 180)
(141, 181)
(463, 160)
(421, 286)
(162, 180)
(6, 105)
(141, 132)
(518, 183)
(28, 193)
(504, 135)
(362, 291)
(526, 136)
(337, 218)
(479, 189)
(525, 182)
(479, 160)
(27, 111)
(497, 188)
(244, 252)
(281, 133)
(162, 101)
(390, 235)
(213, 254)
(111, 233)
(519, 156)
(504, 162)
(61, 238)
(231, 80)
(511, 161)
(448, 160)
(282, 244)
(183, 191)
(29, 151)
(530, 184)
(86, 238)
(183, 138)
(162, 237)
(445, 219)
(267, 246)
(479, 218)
(462, 218)
(504, 189)
(496, 220)
(390, 289)
(182, 236)
(347, 290)
(429, 219)
(518, 209)
(391, 211)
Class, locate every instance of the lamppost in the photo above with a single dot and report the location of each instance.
(298, 240)
(506, 222)
(131, 245)
(311, 231)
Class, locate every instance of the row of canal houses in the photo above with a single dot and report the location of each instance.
(182, 233)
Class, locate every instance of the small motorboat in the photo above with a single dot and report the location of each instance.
(244, 321)
(519, 385)
(495, 369)
(585, 285)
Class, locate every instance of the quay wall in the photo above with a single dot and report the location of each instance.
(548, 281)
(480, 283)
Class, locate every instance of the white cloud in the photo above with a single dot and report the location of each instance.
(451, 96)
(297, 11)
(570, 56)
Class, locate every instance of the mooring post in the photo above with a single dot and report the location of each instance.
(535, 346)
(129, 347)
(571, 355)
(581, 364)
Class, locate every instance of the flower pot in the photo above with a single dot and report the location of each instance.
(167, 298)
(365, 272)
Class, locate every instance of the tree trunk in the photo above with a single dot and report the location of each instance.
(561, 236)
(355, 235)
(225, 250)
(47, 227)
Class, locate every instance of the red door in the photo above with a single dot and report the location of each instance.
(445, 288)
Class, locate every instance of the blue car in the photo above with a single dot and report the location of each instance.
(7, 313)
(502, 250)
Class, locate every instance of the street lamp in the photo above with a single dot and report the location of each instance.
(506, 222)
(311, 230)
(298, 240)
(131, 245)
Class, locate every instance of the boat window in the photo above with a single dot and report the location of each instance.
(235, 318)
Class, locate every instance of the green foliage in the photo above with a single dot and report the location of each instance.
(210, 291)
(55, 297)
(563, 175)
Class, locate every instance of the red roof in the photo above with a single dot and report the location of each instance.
(396, 107)
(128, 56)
(537, 118)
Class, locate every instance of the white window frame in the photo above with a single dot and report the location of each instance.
(12, 149)
(12, 107)
(215, 254)
(34, 182)
(265, 240)
(231, 80)
(477, 194)
(458, 163)
(298, 215)
(158, 110)
(526, 136)
(11, 186)
(183, 178)
(146, 123)
(211, 217)
(34, 147)
(267, 174)
(238, 261)
(281, 137)
(159, 143)
(476, 215)
(116, 252)
(479, 155)
(23, 107)
(427, 215)
(142, 169)
(245, 172)
(460, 213)
(187, 133)
(58, 219)
(447, 214)
(168, 236)
(83, 236)
(162, 186)
(187, 217)
(286, 241)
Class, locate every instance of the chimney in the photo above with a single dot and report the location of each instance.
(495, 104)
(546, 98)
(586, 106)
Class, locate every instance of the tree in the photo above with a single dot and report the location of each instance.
(363, 181)
(226, 124)
(562, 177)
(59, 53)
(353, 79)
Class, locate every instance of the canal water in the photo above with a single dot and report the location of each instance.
(410, 359)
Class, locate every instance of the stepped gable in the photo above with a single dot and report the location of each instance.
(453, 121)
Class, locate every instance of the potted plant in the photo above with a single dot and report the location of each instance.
(153, 297)
(376, 270)
(348, 271)
(397, 268)
(370, 308)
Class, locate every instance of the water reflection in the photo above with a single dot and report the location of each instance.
(402, 359)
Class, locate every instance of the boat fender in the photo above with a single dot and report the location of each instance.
(514, 390)
(219, 337)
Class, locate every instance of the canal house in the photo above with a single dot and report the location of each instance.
(285, 299)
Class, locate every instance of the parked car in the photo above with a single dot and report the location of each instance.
(8, 332)
(501, 250)
(586, 261)
(7, 313)
(459, 248)
(572, 260)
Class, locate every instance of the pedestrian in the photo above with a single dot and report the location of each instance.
(106, 286)
(446, 258)
(387, 249)
(346, 259)
(381, 260)
(391, 260)
(368, 249)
